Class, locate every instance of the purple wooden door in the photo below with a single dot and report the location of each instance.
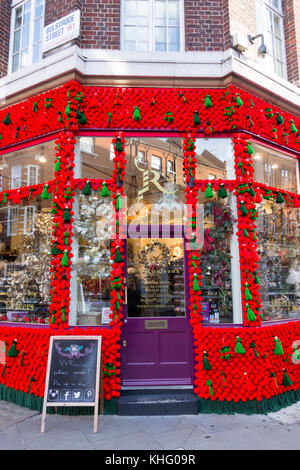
(156, 342)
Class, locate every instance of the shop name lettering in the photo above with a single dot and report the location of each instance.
(11, 306)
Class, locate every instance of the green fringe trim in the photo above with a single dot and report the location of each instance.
(36, 403)
(249, 407)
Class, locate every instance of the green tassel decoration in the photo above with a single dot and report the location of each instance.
(66, 236)
(245, 233)
(60, 119)
(3, 371)
(294, 129)
(257, 281)
(55, 228)
(209, 384)
(250, 149)
(55, 251)
(67, 215)
(119, 202)
(272, 374)
(136, 114)
(279, 119)
(117, 305)
(238, 100)
(7, 119)
(52, 319)
(240, 166)
(243, 209)
(87, 190)
(12, 352)
(278, 351)
(104, 191)
(254, 237)
(238, 346)
(68, 109)
(222, 193)
(67, 193)
(54, 208)
(57, 164)
(251, 191)
(196, 287)
(207, 102)
(208, 192)
(286, 379)
(119, 147)
(250, 314)
(45, 194)
(118, 257)
(205, 362)
(4, 198)
(35, 107)
(65, 259)
(63, 314)
(252, 345)
(196, 119)
(248, 295)
(279, 198)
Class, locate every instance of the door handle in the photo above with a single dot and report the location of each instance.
(124, 343)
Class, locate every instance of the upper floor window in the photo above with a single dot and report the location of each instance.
(152, 25)
(27, 21)
(271, 18)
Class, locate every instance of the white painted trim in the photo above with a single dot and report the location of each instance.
(176, 65)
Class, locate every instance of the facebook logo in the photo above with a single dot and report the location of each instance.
(65, 395)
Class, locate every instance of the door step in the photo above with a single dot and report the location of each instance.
(157, 402)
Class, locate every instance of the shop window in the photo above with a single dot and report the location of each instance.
(270, 23)
(97, 163)
(25, 255)
(279, 266)
(152, 25)
(28, 166)
(27, 22)
(275, 169)
(90, 286)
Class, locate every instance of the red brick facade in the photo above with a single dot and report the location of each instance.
(4, 35)
(291, 10)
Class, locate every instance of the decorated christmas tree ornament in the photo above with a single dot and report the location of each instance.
(45, 194)
(294, 129)
(196, 119)
(238, 346)
(238, 100)
(286, 381)
(278, 350)
(136, 114)
(196, 287)
(65, 259)
(118, 257)
(207, 102)
(243, 209)
(12, 352)
(279, 198)
(222, 193)
(205, 361)
(279, 119)
(104, 191)
(67, 215)
(7, 120)
(87, 190)
(57, 164)
(208, 192)
(250, 314)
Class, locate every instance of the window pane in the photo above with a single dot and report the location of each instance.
(18, 17)
(24, 58)
(160, 14)
(173, 13)
(27, 11)
(278, 267)
(97, 164)
(17, 37)
(214, 156)
(278, 49)
(92, 264)
(15, 62)
(130, 10)
(130, 38)
(279, 68)
(25, 37)
(142, 39)
(160, 39)
(268, 166)
(39, 8)
(25, 255)
(16, 165)
(173, 39)
(142, 13)
(38, 28)
(37, 53)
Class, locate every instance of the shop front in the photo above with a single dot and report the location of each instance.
(173, 235)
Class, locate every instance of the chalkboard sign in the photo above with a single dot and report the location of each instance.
(73, 373)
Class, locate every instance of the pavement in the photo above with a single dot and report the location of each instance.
(20, 430)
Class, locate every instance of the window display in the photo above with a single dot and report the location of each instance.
(279, 265)
(25, 255)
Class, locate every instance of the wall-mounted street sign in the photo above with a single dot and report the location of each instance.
(61, 31)
(74, 374)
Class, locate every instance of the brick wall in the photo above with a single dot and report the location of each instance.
(292, 39)
(4, 35)
(206, 25)
(242, 17)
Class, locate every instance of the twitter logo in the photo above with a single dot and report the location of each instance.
(77, 394)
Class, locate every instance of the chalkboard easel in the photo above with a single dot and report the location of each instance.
(74, 374)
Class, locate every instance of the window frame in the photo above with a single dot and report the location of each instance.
(15, 4)
(26, 219)
(151, 27)
(11, 220)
